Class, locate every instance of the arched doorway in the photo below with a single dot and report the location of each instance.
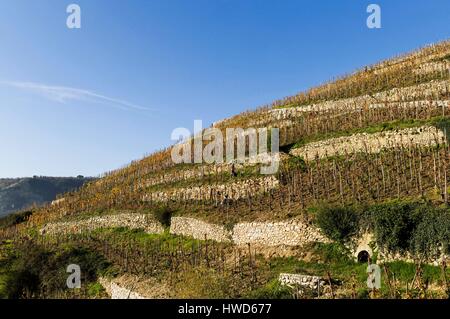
(363, 256)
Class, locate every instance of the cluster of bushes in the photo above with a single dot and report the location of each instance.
(399, 227)
(32, 271)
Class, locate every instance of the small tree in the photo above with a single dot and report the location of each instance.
(338, 223)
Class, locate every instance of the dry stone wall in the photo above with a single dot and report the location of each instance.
(444, 105)
(285, 233)
(419, 57)
(201, 171)
(134, 287)
(294, 280)
(132, 221)
(288, 233)
(371, 143)
(118, 292)
(422, 92)
(198, 229)
(219, 193)
(429, 67)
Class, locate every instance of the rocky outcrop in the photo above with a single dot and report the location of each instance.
(130, 220)
(371, 143)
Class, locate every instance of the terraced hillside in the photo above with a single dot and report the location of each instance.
(364, 173)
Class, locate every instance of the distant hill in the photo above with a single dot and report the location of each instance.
(19, 193)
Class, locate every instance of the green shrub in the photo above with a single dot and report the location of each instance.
(272, 290)
(95, 290)
(338, 223)
(332, 253)
(399, 227)
(295, 162)
(34, 272)
(443, 124)
(393, 225)
(421, 229)
(163, 215)
(432, 234)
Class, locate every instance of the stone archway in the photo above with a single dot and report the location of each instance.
(362, 249)
(363, 256)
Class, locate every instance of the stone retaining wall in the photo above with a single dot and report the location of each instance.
(285, 233)
(429, 67)
(424, 92)
(371, 143)
(232, 191)
(292, 280)
(288, 233)
(201, 171)
(118, 292)
(198, 229)
(132, 221)
(134, 287)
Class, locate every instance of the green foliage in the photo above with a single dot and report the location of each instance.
(337, 223)
(95, 290)
(443, 123)
(295, 162)
(163, 215)
(202, 282)
(400, 227)
(164, 241)
(32, 271)
(332, 253)
(432, 234)
(405, 271)
(272, 290)
(393, 225)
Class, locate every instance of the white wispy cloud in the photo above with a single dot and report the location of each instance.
(64, 94)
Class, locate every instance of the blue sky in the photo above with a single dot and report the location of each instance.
(91, 100)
